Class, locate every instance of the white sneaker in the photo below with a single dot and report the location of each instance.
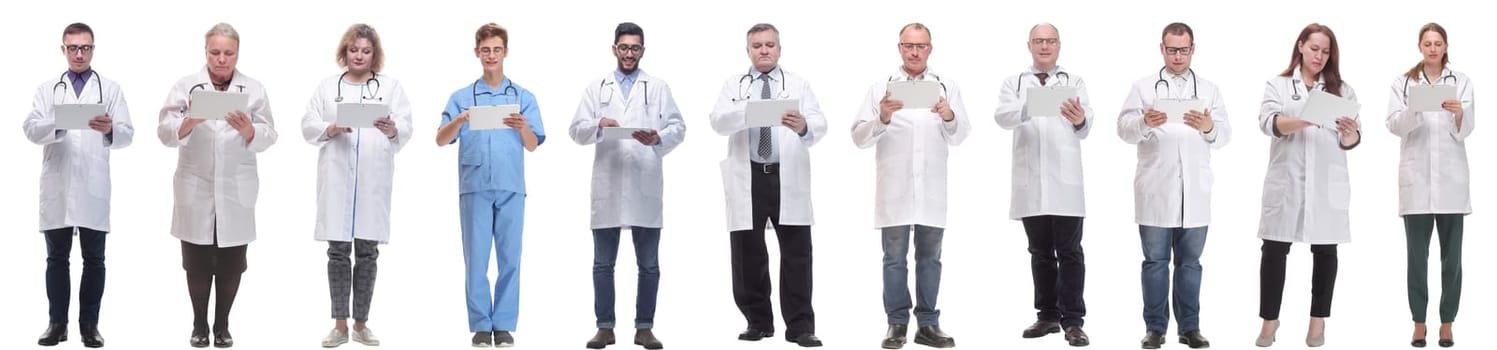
(365, 336)
(334, 339)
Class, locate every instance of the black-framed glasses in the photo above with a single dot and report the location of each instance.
(914, 46)
(1177, 50)
(77, 48)
(629, 48)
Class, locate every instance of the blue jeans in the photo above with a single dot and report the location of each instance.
(1186, 245)
(647, 253)
(927, 274)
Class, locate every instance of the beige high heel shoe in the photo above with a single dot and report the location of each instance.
(1272, 334)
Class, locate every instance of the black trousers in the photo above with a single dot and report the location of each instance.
(1271, 277)
(59, 275)
(751, 287)
(1059, 268)
(209, 266)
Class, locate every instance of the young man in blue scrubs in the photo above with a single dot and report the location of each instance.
(491, 186)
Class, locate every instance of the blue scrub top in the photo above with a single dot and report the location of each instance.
(490, 160)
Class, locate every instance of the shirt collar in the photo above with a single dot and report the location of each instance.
(483, 87)
(774, 74)
(900, 75)
(81, 77)
(625, 79)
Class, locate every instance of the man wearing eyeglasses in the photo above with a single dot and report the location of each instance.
(767, 184)
(1048, 187)
(1172, 191)
(632, 118)
(491, 186)
(910, 196)
(75, 181)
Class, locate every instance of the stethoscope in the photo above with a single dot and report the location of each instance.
(1296, 83)
(1451, 77)
(373, 95)
(62, 84)
(747, 81)
(1194, 88)
(505, 92)
(609, 84)
(1058, 75)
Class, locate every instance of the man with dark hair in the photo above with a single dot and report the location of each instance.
(632, 118)
(75, 180)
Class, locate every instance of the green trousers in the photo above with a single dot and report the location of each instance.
(1418, 230)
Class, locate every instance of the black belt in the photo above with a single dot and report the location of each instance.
(764, 168)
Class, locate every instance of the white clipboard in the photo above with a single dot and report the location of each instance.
(1324, 108)
(75, 116)
(1175, 109)
(490, 117)
(216, 105)
(768, 113)
(360, 115)
(618, 133)
(918, 94)
(1430, 98)
(1046, 101)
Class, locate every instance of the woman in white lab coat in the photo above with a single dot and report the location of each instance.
(216, 181)
(355, 173)
(1434, 179)
(1306, 191)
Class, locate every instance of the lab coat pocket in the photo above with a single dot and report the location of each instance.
(98, 183)
(1070, 164)
(248, 186)
(1339, 189)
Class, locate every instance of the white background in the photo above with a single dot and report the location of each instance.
(559, 48)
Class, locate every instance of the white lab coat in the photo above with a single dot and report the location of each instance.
(1433, 174)
(356, 170)
(911, 155)
(75, 163)
(628, 184)
(1047, 176)
(217, 181)
(1172, 185)
(1306, 191)
(795, 158)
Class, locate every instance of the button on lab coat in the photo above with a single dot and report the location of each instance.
(795, 156)
(628, 184)
(355, 170)
(1047, 176)
(1172, 186)
(911, 155)
(1306, 191)
(217, 181)
(75, 185)
(1433, 174)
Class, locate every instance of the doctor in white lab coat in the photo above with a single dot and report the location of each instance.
(1306, 191)
(216, 181)
(628, 185)
(911, 192)
(1434, 177)
(75, 184)
(355, 176)
(1048, 186)
(1172, 185)
(767, 184)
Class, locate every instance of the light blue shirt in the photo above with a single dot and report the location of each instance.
(490, 160)
(626, 81)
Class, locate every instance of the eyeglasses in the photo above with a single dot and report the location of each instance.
(77, 48)
(1177, 50)
(914, 46)
(490, 50)
(1044, 41)
(629, 48)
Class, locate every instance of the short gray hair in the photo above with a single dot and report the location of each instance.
(223, 30)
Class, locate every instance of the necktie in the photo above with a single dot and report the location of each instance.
(765, 143)
(1042, 76)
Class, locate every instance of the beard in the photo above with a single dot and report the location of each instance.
(629, 70)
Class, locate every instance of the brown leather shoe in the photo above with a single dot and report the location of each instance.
(646, 338)
(602, 339)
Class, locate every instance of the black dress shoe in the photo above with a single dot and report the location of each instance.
(932, 336)
(1195, 340)
(199, 339)
(1418, 343)
(805, 340)
(55, 333)
(483, 339)
(1077, 337)
(755, 334)
(91, 337)
(646, 338)
(1152, 340)
(222, 339)
(1445, 343)
(603, 338)
(1041, 328)
(895, 337)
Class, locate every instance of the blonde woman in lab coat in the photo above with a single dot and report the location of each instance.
(1306, 191)
(355, 173)
(216, 182)
(1434, 178)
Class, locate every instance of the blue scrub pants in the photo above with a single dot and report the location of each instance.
(492, 219)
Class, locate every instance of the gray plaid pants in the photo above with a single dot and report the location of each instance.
(358, 275)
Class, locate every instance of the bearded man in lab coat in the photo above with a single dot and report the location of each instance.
(75, 181)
